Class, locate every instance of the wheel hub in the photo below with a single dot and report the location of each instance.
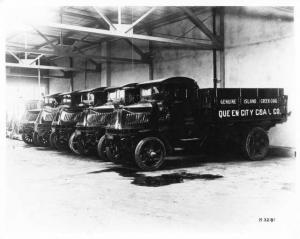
(152, 154)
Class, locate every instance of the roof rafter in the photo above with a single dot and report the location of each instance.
(131, 36)
(53, 53)
(200, 25)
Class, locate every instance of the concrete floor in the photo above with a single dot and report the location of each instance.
(52, 192)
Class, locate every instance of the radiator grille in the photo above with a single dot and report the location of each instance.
(132, 119)
(70, 116)
(99, 118)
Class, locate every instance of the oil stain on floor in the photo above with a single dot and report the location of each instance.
(157, 181)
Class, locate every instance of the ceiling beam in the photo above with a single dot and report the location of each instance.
(166, 20)
(42, 67)
(55, 37)
(69, 34)
(140, 19)
(194, 19)
(54, 53)
(14, 55)
(86, 17)
(105, 18)
(131, 36)
(45, 38)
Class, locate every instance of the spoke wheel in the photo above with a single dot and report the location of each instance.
(102, 149)
(256, 144)
(54, 141)
(77, 145)
(27, 138)
(43, 141)
(150, 154)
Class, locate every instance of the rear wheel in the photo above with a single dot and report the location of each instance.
(150, 153)
(103, 150)
(255, 145)
(27, 138)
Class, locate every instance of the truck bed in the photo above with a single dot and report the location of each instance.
(243, 104)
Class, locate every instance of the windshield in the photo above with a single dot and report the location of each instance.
(87, 99)
(150, 93)
(51, 101)
(31, 115)
(66, 99)
(118, 95)
(47, 116)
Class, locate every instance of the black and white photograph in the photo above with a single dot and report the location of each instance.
(140, 119)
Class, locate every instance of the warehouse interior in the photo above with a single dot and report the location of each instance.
(86, 47)
(67, 48)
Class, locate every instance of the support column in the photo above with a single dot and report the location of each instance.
(85, 73)
(39, 79)
(222, 53)
(71, 76)
(150, 57)
(214, 53)
(108, 63)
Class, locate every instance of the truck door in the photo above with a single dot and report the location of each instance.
(184, 115)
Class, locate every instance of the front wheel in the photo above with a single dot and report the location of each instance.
(150, 154)
(77, 146)
(42, 141)
(102, 149)
(54, 141)
(27, 138)
(255, 145)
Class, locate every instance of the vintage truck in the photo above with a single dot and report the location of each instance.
(90, 127)
(27, 125)
(32, 110)
(66, 118)
(174, 114)
(42, 125)
(75, 142)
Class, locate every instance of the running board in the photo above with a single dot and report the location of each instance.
(190, 139)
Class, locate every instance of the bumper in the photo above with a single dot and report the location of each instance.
(125, 142)
(28, 129)
(63, 131)
(43, 130)
(90, 134)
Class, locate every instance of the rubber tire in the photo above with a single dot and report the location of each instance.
(76, 151)
(26, 140)
(246, 144)
(137, 154)
(100, 145)
(41, 143)
(35, 139)
(58, 145)
(52, 139)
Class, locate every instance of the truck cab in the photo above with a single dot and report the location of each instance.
(90, 127)
(63, 125)
(167, 110)
(42, 125)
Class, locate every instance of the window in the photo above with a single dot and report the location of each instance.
(112, 95)
(180, 94)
